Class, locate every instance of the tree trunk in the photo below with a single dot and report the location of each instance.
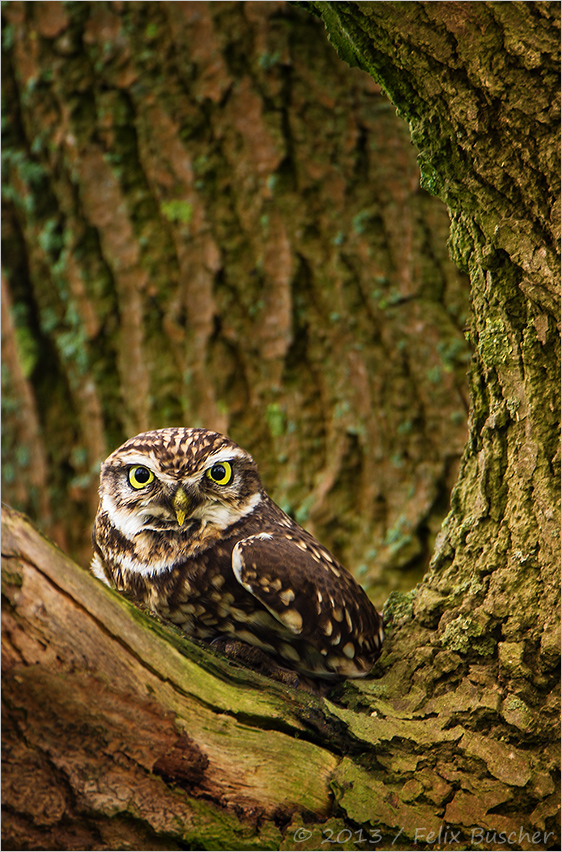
(131, 737)
(479, 639)
(211, 221)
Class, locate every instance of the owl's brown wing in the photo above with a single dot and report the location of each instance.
(313, 596)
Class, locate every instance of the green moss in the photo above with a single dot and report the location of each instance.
(511, 657)
(434, 375)
(405, 428)
(269, 60)
(303, 511)
(28, 350)
(396, 532)
(464, 634)
(341, 408)
(275, 417)
(361, 220)
(494, 344)
(7, 37)
(399, 607)
(50, 238)
(177, 211)
(336, 33)
(517, 713)
(429, 177)
(457, 417)
(453, 352)
(29, 172)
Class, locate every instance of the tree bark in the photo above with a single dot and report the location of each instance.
(209, 220)
(455, 730)
(479, 84)
(120, 733)
(164, 742)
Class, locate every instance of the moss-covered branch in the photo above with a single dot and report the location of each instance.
(117, 727)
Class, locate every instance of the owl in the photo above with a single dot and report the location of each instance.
(185, 528)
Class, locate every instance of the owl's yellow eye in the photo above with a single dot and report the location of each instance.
(220, 473)
(140, 476)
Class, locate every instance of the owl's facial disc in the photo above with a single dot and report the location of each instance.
(178, 487)
(217, 496)
(227, 488)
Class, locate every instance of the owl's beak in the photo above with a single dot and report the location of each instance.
(182, 504)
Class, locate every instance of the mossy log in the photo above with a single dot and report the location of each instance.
(120, 733)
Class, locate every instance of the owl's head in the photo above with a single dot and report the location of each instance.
(169, 480)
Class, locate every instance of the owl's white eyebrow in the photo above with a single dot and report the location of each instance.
(132, 457)
(225, 454)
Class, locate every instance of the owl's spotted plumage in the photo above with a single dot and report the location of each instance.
(185, 527)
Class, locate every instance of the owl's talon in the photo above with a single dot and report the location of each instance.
(256, 659)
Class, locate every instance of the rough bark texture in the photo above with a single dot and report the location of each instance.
(210, 220)
(479, 84)
(456, 729)
(164, 743)
(120, 734)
